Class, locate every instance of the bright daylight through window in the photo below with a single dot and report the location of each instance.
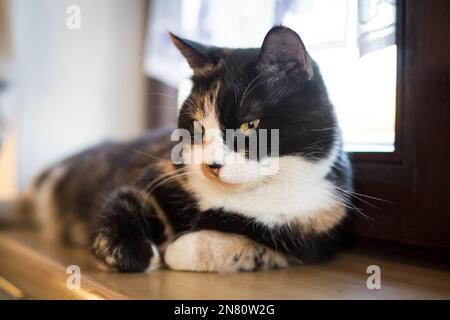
(353, 42)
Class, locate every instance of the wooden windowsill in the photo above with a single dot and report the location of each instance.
(32, 268)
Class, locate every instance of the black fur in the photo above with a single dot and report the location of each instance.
(130, 228)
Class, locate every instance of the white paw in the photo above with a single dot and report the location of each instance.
(209, 250)
(182, 253)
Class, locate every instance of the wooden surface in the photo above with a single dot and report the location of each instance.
(36, 269)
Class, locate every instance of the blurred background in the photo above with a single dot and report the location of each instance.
(75, 73)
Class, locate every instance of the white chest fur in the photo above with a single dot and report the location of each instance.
(299, 189)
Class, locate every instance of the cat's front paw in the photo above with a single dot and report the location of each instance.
(221, 252)
(120, 256)
(122, 241)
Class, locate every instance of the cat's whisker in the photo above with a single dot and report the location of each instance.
(164, 181)
(162, 176)
(164, 107)
(356, 197)
(154, 182)
(244, 95)
(353, 208)
(367, 196)
(162, 94)
(325, 129)
(252, 88)
(150, 156)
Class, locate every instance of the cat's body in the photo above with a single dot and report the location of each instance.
(138, 209)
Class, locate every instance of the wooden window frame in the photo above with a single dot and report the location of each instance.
(416, 210)
(391, 167)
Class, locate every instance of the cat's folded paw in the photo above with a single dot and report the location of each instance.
(182, 254)
(122, 240)
(114, 256)
(221, 252)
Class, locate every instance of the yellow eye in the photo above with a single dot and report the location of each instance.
(246, 126)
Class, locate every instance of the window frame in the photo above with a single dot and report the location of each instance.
(415, 205)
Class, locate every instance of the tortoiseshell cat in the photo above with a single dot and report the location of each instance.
(139, 210)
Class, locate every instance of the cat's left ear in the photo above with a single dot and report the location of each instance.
(283, 51)
(199, 56)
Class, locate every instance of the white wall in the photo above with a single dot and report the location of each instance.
(74, 88)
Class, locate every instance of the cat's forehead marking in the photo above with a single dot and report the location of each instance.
(210, 99)
(207, 107)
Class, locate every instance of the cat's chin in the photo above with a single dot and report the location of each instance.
(224, 182)
(221, 182)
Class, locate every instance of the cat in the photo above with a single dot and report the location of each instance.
(137, 210)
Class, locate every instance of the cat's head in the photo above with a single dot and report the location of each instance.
(277, 87)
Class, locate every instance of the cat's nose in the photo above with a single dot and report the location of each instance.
(214, 167)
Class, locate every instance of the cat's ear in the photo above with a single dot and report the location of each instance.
(283, 50)
(198, 56)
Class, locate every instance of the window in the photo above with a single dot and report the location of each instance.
(352, 41)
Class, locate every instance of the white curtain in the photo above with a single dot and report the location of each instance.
(376, 25)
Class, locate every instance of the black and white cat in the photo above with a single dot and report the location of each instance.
(138, 210)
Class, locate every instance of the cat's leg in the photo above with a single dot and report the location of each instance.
(208, 250)
(128, 232)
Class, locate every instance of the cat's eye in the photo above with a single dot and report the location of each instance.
(246, 126)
